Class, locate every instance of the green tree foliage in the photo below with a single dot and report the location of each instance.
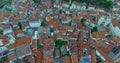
(82, 21)
(42, 23)
(52, 1)
(59, 42)
(94, 29)
(103, 3)
(67, 0)
(39, 45)
(37, 1)
(9, 2)
(3, 58)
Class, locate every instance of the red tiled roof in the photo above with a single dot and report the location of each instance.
(115, 22)
(3, 36)
(23, 41)
(83, 12)
(19, 31)
(64, 18)
(69, 28)
(92, 13)
(93, 56)
(54, 22)
(66, 28)
(2, 19)
(60, 35)
(105, 55)
(101, 43)
(115, 39)
(74, 58)
(6, 15)
(4, 39)
(14, 22)
(56, 28)
(11, 46)
(66, 59)
(39, 55)
(99, 33)
(49, 17)
(79, 26)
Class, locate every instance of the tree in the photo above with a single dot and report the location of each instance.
(39, 45)
(103, 3)
(42, 23)
(1, 31)
(8, 2)
(52, 1)
(82, 21)
(94, 29)
(59, 42)
(4, 58)
(20, 25)
(37, 1)
(67, 0)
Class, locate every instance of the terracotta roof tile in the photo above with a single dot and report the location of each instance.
(14, 22)
(11, 46)
(49, 17)
(105, 55)
(5, 41)
(101, 43)
(70, 28)
(115, 22)
(115, 39)
(23, 41)
(66, 59)
(60, 35)
(74, 58)
(83, 12)
(93, 56)
(2, 19)
(99, 33)
(7, 15)
(64, 17)
(3, 36)
(79, 26)
(39, 55)
(56, 28)
(19, 31)
(54, 22)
